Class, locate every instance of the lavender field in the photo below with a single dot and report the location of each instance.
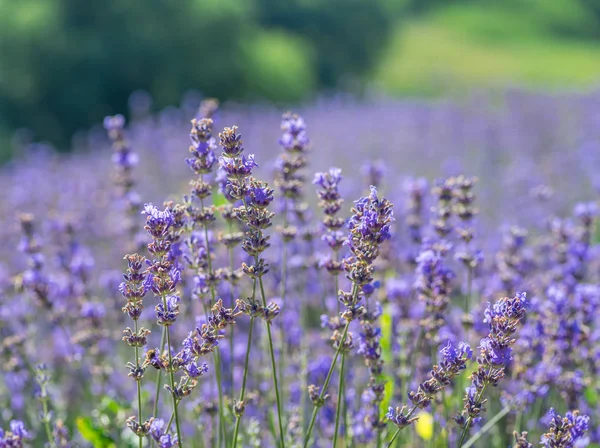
(355, 273)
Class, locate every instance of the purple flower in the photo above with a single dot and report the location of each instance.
(157, 221)
(260, 196)
(168, 315)
(294, 136)
(194, 370)
(113, 123)
(329, 182)
(567, 432)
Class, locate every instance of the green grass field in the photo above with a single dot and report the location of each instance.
(461, 47)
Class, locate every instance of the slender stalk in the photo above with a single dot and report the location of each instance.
(232, 338)
(273, 367)
(393, 438)
(283, 291)
(139, 386)
(469, 289)
(283, 288)
(213, 438)
(325, 384)
(159, 377)
(408, 416)
(485, 428)
(518, 422)
(465, 430)
(243, 391)
(172, 378)
(216, 356)
(339, 403)
(47, 418)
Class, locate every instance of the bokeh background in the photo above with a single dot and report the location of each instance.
(65, 64)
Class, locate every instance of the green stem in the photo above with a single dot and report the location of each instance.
(216, 356)
(518, 422)
(284, 255)
(283, 293)
(393, 438)
(339, 403)
(408, 416)
(139, 386)
(243, 391)
(465, 430)
(485, 428)
(47, 418)
(325, 384)
(172, 380)
(273, 367)
(159, 376)
(469, 289)
(232, 338)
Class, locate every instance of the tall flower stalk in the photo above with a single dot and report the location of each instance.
(495, 353)
(290, 181)
(465, 210)
(163, 279)
(256, 196)
(330, 201)
(202, 162)
(453, 362)
(125, 160)
(369, 227)
(134, 289)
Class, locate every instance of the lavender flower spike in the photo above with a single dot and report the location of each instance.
(566, 432)
(503, 319)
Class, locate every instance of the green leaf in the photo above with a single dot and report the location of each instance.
(110, 405)
(93, 434)
(218, 198)
(386, 354)
(591, 396)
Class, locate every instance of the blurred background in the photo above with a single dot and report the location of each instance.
(65, 64)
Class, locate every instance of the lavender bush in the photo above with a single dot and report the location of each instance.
(436, 285)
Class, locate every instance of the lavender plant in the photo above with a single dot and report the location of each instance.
(408, 300)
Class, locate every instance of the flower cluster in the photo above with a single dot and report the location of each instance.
(256, 197)
(290, 179)
(433, 286)
(566, 432)
(124, 160)
(453, 362)
(15, 437)
(34, 278)
(495, 352)
(331, 202)
(415, 188)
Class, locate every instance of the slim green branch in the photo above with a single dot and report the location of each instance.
(465, 430)
(273, 367)
(172, 378)
(216, 356)
(244, 378)
(396, 434)
(325, 384)
(46, 416)
(485, 428)
(139, 386)
(408, 416)
(339, 402)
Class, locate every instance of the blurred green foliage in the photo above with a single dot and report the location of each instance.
(64, 64)
(67, 63)
(452, 47)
